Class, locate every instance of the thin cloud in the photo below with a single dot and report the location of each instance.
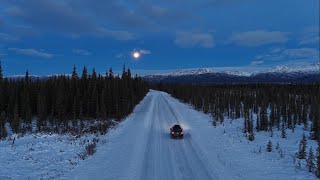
(32, 52)
(258, 38)
(282, 55)
(255, 63)
(72, 18)
(7, 37)
(188, 40)
(310, 36)
(127, 54)
(120, 56)
(81, 52)
(116, 34)
(144, 51)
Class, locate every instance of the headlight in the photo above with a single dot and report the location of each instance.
(172, 132)
(181, 132)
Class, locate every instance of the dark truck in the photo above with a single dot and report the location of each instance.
(176, 131)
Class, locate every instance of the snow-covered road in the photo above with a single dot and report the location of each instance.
(165, 158)
(141, 148)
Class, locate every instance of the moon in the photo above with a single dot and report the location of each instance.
(136, 54)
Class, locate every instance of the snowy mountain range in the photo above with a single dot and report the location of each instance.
(279, 74)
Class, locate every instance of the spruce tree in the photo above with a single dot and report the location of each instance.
(41, 110)
(110, 74)
(74, 110)
(84, 73)
(258, 124)
(3, 131)
(251, 132)
(103, 109)
(315, 116)
(74, 72)
(129, 73)
(302, 148)
(94, 74)
(27, 110)
(26, 77)
(124, 73)
(269, 146)
(310, 163)
(283, 130)
(318, 161)
(16, 119)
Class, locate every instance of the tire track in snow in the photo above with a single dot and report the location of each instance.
(196, 161)
(189, 150)
(154, 165)
(182, 168)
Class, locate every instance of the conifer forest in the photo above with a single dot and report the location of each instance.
(65, 103)
(264, 107)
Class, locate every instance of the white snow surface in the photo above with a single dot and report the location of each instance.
(197, 71)
(40, 156)
(308, 69)
(313, 68)
(141, 148)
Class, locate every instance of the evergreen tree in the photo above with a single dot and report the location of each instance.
(16, 120)
(74, 72)
(94, 74)
(103, 109)
(315, 117)
(283, 131)
(26, 78)
(41, 110)
(277, 146)
(310, 163)
(302, 148)
(110, 74)
(269, 146)
(124, 73)
(84, 73)
(27, 109)
(258, 124)
(318, 161)
(129, 73)
(3, 131)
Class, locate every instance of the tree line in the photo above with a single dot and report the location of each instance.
(66, 103)
(274, 106)
(263, 107)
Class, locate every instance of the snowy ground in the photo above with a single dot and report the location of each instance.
(141, 148)
(41, 156)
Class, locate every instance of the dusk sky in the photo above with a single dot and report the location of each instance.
(50, 36)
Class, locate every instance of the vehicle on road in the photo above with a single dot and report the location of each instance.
(176, 131)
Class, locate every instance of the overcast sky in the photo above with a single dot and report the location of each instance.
(50, 36)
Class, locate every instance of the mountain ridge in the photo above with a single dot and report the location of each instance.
(279, 74)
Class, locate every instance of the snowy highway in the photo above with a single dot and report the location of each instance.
(167, 158)
(141, 148)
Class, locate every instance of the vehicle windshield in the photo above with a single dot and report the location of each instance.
(177, 128)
